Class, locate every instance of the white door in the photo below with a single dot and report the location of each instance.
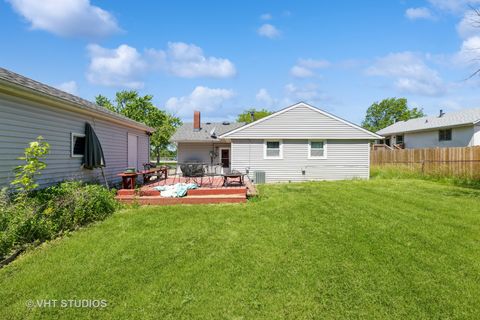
(225, 159)
(132, 151)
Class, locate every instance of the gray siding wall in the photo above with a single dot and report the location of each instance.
(461, 137)
(299, 123)
(21, 121)
(198, 151)
(346, 159)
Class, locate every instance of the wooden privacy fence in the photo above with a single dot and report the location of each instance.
(464, 161)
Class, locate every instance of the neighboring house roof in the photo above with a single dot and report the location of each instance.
(9, 79)
(186, 132)
(449, 119)
(298, 122)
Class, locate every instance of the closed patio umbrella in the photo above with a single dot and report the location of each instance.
(93, 156)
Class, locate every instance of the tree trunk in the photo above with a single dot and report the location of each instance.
(158, 155)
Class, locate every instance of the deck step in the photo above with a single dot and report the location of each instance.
(217, 191)
(196, 199)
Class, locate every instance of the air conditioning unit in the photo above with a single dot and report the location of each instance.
(259, 177)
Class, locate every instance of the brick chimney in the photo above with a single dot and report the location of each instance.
(196, 121)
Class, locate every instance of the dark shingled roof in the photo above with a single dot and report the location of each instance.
(186, 132)
(32, 85)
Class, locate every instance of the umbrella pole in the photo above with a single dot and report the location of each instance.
(105, 178)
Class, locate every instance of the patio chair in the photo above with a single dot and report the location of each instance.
(193, 171)
(212, 172)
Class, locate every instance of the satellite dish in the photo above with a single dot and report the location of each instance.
(212, 133)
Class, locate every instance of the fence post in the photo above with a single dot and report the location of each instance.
(423, 167)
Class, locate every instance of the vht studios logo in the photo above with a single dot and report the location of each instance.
(67, 303)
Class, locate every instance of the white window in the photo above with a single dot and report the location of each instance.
(317, 149)
(273, 149)
(78, 145)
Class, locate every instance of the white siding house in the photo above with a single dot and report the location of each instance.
(454, 129)
(29, 109)
(298, 143)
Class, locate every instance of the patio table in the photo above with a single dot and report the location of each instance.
(147, 174)
(128, 180)
(233, 175)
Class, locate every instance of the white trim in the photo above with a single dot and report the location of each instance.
(72, 144)
(300, 104)
(310, 149)
(280, 149)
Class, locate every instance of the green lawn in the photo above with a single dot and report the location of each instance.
(352, 249)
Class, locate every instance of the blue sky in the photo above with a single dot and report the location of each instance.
(222, 57)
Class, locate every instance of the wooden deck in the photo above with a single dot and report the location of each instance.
(209, 191)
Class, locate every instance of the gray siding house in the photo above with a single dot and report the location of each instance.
(298, 143)
(29, 109)
(454, 129)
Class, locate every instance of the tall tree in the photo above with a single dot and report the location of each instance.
(386, 112)
(246, 116)
(142, 109)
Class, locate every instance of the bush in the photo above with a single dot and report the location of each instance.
(70, 205)
(48, 213)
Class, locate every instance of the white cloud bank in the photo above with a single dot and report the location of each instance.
(410, 74)
(68, 18)
(188, 61)
(120, 67)
(69, 86)
(418, 13)
(202, 98)
(264, 98)
(125, 66)
(305, 68)
(269, 31)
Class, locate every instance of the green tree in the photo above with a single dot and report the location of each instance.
(33, 164)
(386, 112)
(246, 116)
(141, 109)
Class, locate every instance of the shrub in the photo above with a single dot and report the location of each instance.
(33, 164)
(30, 216)
(73, 204)
(48, 213)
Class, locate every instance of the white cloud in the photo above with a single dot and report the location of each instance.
(418, 13)
(305, 67)
(313, 64)
(69, 86)
(120, 67)
(188, 61)
(301, 72)
(125, 66)
(469, 25)
(269, 31)
(75, 18)
(266, 16)
(410, 74)
(469, 53)
(307, 93)
(202, 98)
(264, 98)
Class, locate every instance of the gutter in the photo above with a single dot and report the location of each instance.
(20, 91)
